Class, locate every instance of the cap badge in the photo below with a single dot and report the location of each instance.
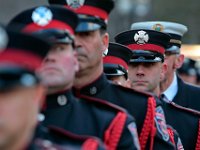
(42, 16)
(158, 27)
(141, 37)
(75, 3)
(3, 39)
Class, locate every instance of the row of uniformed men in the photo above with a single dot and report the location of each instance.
(80, 99)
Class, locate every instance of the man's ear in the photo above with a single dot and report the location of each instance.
(163, 70)
(105, 42)
(179, 61)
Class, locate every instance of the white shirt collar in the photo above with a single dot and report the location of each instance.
(171, 91)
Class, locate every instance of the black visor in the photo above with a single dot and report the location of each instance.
(111, 70)
(56, 36)
(89, 23)
(146, 56)
(16, 76)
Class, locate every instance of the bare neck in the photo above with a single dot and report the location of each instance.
(166, 82)
(87, 76)
(157, 91)
(56, 89)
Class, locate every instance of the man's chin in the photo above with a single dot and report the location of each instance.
(139, 88)
(52, 83)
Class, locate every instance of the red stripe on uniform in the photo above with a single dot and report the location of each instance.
(90, 10)
(53, 24)
(115, 60)
(149, 47)
(20, 58)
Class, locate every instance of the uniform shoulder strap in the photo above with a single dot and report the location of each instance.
(88, 142)
(103, 103)
(133, 90)
(185, 108)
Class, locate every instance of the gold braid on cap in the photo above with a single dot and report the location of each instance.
(175, 41)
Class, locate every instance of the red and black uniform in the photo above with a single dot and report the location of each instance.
(85, 117)
(59, 139)
(145, 108)
(89, 116)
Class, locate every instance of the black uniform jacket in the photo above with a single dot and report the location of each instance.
(138, 105)
(59, 139)
(89, 116)
(188, 95)
(186, 122)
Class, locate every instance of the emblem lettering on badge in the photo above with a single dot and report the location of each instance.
(75, 3)
(141, 37)
(42, 16)
(3, 39)
(161, 123)
(133, 130)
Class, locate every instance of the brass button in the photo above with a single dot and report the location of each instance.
(62, 100)
(93, 90)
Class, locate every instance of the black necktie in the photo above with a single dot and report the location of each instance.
(164, 98)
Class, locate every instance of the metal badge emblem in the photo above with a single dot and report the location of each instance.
(42, 16)
(75, 3)
(158, 27)
(141, 37)
(3, 39)
(161, 123)
(93, 90)
(62, 100)
(133, 130)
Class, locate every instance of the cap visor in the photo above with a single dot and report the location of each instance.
(173, 49)
(145, 56)
(12, 76)
(87, 26)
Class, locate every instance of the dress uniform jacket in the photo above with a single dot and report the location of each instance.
(186, 122)
(89, 116)
(137, 104)
(58, 139)
(188, 95)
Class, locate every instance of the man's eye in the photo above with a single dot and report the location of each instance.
(149, 64)
(59, 48)
(84, 34)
